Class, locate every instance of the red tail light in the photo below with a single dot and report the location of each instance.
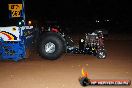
(54, 30)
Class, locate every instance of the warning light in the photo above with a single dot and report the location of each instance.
(29, 22)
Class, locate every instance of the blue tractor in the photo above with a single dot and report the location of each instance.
(50, 44)
(13, 42)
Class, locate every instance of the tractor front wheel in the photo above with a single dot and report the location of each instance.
(101, 54)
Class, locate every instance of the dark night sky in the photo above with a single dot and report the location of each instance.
(70, 10)
(74, 8)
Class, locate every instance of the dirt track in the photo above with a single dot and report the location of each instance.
(64, 72)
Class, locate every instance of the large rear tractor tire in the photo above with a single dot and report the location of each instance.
(51, 47)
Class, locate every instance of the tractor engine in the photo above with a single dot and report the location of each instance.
(94, 39)
(91, 44)
(91, 39)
